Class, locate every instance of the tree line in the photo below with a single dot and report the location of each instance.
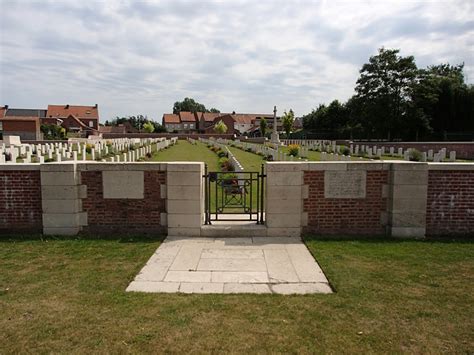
(140, 122)
(396, 100)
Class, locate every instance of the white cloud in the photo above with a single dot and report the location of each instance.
(140, 57)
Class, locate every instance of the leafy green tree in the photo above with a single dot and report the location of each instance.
(288, 119)
(53, 132)
(444, 100)
(220, 127)
(263, 126)
(148, 127)
(385, 87)
(190, 105)
(159, 128)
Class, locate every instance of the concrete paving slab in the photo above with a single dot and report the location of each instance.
(300, 288)
(187, 258)
(246, 288)
(280, 268)
(304, 264)
(231, 265)
(188, 276)
(240, 276)
(201, 287)
(231, 254)
(149, 286)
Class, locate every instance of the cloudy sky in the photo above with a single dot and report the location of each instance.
(140, 57)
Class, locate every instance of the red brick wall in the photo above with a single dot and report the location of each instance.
(165, 135)
(345, 216)
(450, 207)
(123, 216)
(20, 201)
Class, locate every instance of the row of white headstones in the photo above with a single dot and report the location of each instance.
(112, 150)
(331, 151)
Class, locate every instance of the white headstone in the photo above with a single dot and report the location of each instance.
(452, 155)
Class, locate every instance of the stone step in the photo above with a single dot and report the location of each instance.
(233, 229)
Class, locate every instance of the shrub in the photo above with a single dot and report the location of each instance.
(221, 153)
(225, 164)
(89, 148)
(345, 150)
(148, 155)
(293, 149)
(415, 155)
(268, 158)
(248, 150)
(49, 160)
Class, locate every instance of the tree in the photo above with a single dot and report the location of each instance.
(443, 99)
(190, 105)
(385, 86)
(288, 119)
(263, 126)
(148, 127)
(53, 132)
(159, 128)
(220, 127)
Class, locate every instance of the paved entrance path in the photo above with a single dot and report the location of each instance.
(231, 265)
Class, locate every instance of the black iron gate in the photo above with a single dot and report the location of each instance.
(232, 193)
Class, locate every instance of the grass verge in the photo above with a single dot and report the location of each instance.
(392, 296)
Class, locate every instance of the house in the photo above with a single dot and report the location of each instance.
(228, 121)
(189, 121)
(207, 119)
(171, 122)
(24, 123)
(183, 122)
(73, 118)
(125, 127)
(27, 128)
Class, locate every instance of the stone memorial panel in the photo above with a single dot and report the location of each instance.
(345, 184)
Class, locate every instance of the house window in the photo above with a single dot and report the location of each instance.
(1, 126)
(191, 126)
(185, 126)
(91, 123)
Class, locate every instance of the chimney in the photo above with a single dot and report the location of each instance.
(6, 107)
(95, 106)
(67, 106)
(233, 112)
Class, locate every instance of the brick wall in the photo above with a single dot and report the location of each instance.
(167, 135)
(450, 207)
(20, 201)
(345, 216)
(123, 215)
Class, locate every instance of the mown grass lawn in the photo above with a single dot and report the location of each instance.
(250, 161)
(185, 151)
(67, 296)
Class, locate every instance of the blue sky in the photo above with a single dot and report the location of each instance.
(140, 57)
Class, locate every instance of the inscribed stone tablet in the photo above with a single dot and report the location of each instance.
(123, 184)
(344, 184)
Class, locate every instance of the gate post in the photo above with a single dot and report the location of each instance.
(185, 198)
(284, 199)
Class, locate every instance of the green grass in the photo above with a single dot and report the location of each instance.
(250, 161)
(67, 296)
(185, 151)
